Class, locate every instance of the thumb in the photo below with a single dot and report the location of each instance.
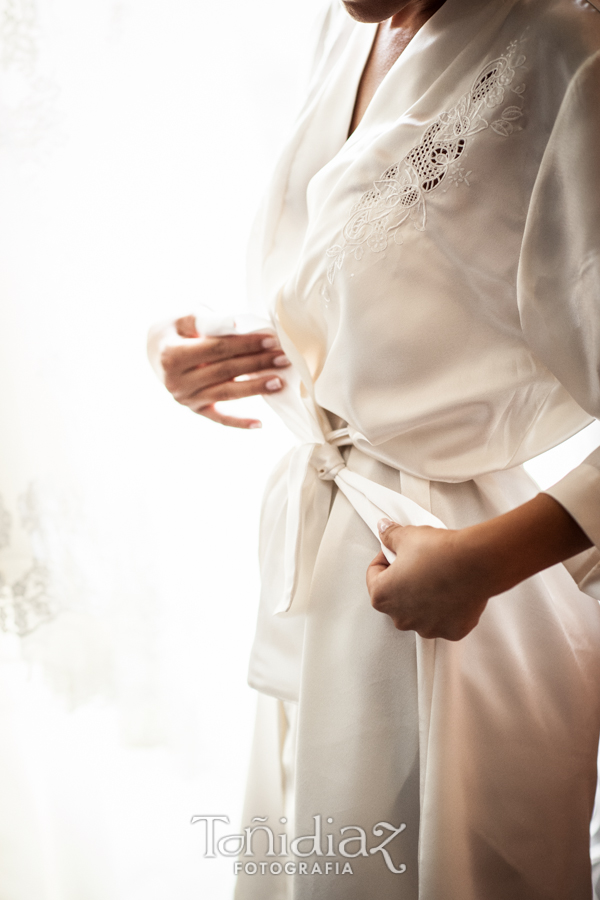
(389, 533)
(185, 326)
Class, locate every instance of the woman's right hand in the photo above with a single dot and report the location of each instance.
(200, 371)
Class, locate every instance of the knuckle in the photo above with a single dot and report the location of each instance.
(245, 388)
(218, 347)
(181, 397)
(450, 631)
(228, 371)
(377, 599)
(169, 358)
(429, 633)
(172, 383)
(456, 634)
(219, 393)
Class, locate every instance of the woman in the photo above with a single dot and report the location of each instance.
(429, 256)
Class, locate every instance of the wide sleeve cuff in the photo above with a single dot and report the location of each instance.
(579, 493)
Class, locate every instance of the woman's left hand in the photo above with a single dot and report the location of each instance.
(434, 586)
(441, 580)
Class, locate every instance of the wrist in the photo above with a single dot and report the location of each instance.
(485, 557)
(509, 548)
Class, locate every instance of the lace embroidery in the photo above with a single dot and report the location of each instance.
(25, 603)
(399, 196)
(5, 525)
(19, 34)
(28, 90)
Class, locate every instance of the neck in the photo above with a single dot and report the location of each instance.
(395, 13)
(414, 14)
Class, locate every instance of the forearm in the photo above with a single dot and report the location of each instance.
(512, 547)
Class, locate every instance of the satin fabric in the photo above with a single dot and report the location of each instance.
(485, 748)
(433, 280)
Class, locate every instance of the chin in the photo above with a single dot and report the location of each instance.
(373, 10)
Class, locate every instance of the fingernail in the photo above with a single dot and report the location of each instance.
(255, 425)
(270, 343)
(384, 524)
(274, 384)
(281, 361)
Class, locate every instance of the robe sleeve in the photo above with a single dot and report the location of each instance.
(559, 274)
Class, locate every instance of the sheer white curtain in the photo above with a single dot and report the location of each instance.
(135, 138)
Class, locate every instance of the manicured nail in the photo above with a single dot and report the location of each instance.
(255, 425)
(281, 360)
(270, 343)
(274, 384)
(384, 524)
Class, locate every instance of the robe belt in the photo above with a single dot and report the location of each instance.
(315, 466)
(314, 469)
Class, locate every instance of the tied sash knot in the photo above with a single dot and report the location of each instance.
(314, 469)
(315, 466)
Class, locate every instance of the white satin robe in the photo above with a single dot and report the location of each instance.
(435, 280)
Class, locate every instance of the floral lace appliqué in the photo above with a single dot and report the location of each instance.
(26, 602)
(399, 196)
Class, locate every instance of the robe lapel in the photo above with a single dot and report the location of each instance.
(321, 131)
(442, 43)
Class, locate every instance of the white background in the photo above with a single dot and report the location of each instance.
(135, 140)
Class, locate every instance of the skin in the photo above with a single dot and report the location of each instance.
(441, 580)
(201, 371)
(398, 24)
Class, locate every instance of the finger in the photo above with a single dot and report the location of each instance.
(457, 630)
(211, 412)
(375, 569)
(180, 355)
(183, 354)
(235, 390)
(186, 327)
(389, 533)
(187, 384)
